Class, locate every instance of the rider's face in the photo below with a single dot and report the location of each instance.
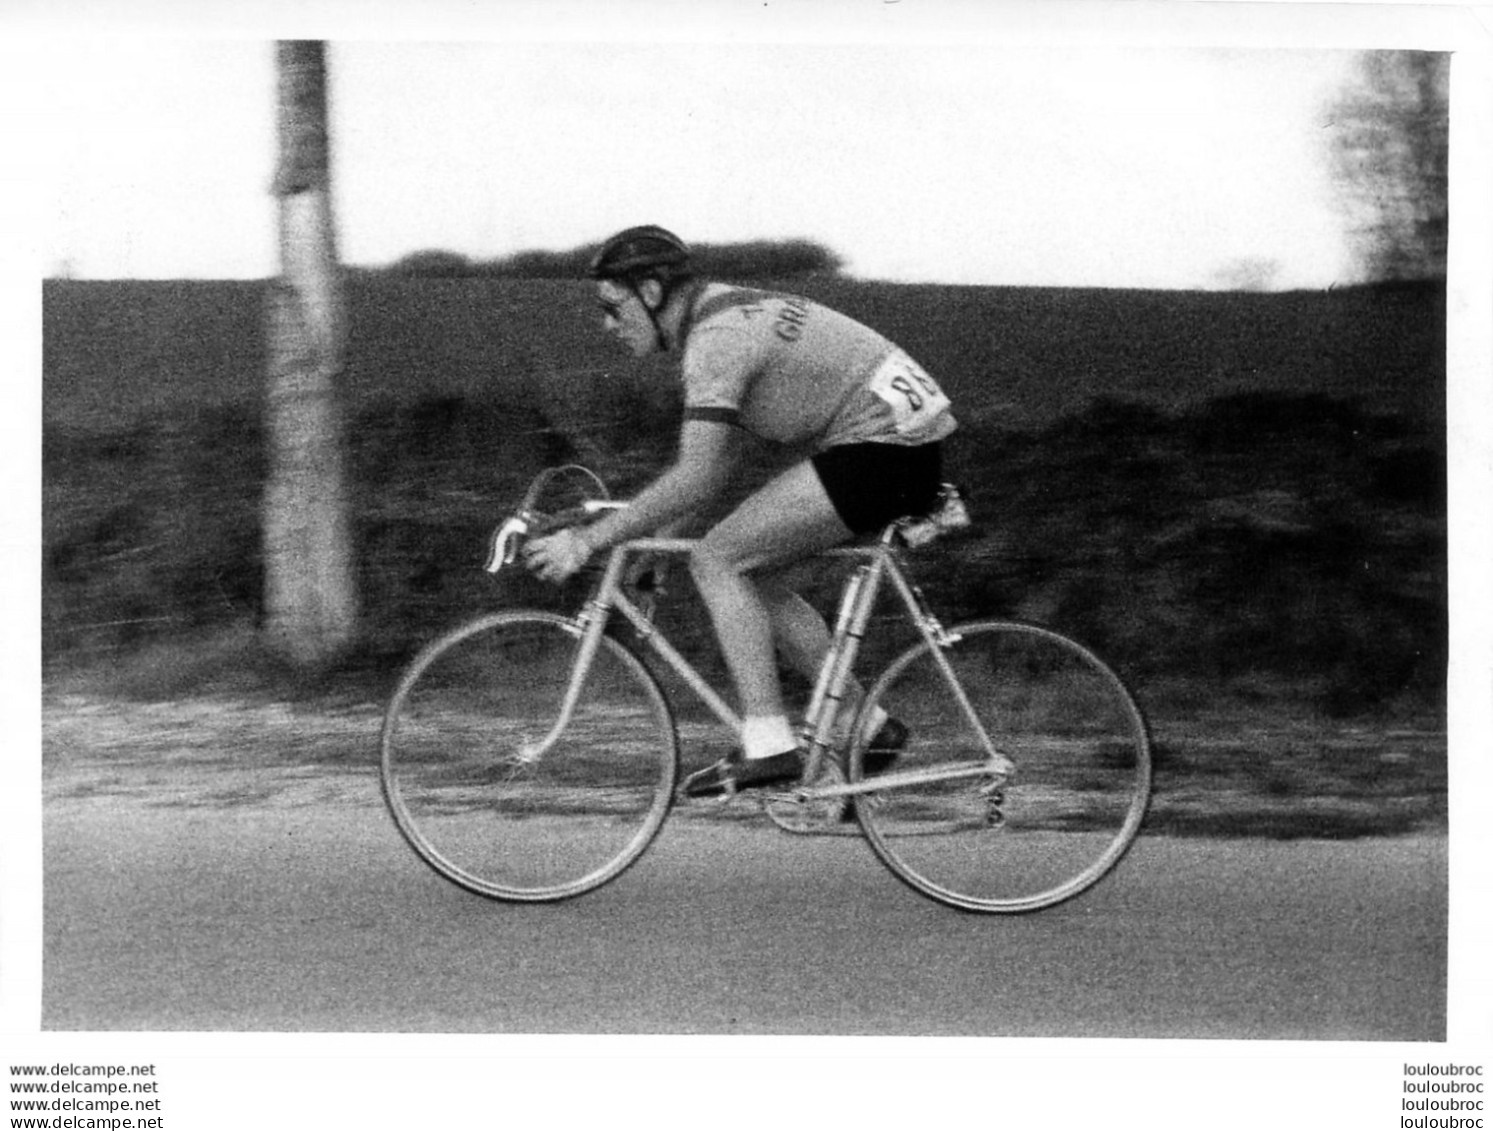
(624, 317)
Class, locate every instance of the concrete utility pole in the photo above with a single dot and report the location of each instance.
(310, 585)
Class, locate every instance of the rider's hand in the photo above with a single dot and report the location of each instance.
(557, 556)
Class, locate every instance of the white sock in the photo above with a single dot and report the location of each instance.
(766, 735)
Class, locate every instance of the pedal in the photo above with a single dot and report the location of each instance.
(727, 793)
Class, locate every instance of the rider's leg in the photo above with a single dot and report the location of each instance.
(803, 639)
(800, 633)
(788, 519)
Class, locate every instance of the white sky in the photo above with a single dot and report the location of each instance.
(976, 163)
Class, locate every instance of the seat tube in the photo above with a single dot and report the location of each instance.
(856, 602)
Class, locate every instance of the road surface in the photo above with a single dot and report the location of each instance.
(230, 902)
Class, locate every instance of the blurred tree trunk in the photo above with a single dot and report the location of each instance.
(310, 588)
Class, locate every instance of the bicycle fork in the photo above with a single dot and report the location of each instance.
(591, 624)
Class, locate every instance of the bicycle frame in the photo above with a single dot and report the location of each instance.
(858, 598)
(604, 775)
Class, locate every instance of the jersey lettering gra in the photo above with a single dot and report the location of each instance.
(791, 318)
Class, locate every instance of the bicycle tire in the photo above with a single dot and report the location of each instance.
(460, 782)
(1053, 827)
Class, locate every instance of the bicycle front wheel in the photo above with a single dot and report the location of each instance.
(972, 838)
(492, 793)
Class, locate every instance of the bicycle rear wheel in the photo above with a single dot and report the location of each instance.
(479, 795)
(991, 842)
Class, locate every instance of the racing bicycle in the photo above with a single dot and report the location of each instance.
(529, 756)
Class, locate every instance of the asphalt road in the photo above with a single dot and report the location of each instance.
(305, 911)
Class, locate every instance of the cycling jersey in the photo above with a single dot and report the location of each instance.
(794, 372)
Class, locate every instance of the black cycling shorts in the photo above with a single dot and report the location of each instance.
(872, 485)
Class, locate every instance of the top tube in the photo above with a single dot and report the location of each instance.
(684, 545)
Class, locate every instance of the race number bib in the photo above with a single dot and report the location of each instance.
(916, 400)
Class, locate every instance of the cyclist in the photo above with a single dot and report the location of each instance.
(866, 417)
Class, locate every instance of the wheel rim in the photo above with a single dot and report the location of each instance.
(1062, 819)
(487, 817)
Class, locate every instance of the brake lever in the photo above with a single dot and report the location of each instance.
(502, 550)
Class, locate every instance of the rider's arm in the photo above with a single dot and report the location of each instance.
(709, 451)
